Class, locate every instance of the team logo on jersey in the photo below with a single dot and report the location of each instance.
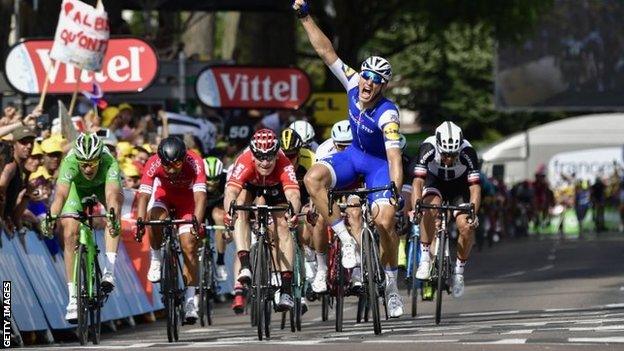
(391, 131)
(348, 71)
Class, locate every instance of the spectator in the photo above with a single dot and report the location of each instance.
(52, 154)
(140, 156)
(581, 202)
(131, 176)
(12, 184)
(108, 116)
(10, 116)
(598, 202)
(35, 159)
(276, 121)
(40, 189)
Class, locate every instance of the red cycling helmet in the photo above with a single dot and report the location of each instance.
(264, 143)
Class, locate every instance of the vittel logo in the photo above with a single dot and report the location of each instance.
(253, 87)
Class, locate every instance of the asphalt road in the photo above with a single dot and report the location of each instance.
(528, 294)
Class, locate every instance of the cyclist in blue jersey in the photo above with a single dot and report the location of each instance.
(375, 152)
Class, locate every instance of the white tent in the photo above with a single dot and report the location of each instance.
(521, 154)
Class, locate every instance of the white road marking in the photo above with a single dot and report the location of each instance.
(519, 331)
(514, 274)
(614, 305)
(600, 328)
(394, 341)
(500, 342)
(493, 313)
(205, 330)
(545, 268)
(610, 339)
(551, 257)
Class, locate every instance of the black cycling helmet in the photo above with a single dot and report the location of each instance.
(171, 150)
(290, 142)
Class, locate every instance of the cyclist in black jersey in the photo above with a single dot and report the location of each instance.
(446, 169)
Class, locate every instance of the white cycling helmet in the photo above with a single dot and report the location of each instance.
(341, 132)
(304, 129)
(378, 65)
(449, 137)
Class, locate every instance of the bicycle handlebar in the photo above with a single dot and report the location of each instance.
(332, 194)
(141, 224)
(469, 210)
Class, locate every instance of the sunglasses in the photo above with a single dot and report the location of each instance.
(264, 157)
(368, 75)
(176, 164)
(449, 154)
(212, 180)
(85, 164)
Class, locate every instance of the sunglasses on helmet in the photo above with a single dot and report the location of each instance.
(368, 75)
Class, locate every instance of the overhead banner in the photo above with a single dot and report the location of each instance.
(130, 65)
(81, 35)
(329, 108)
(253, 87)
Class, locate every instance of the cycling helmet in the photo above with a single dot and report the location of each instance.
(341, 132)
(213, 167)
(264, 143)
(304, 129)
(88, 146)
(290, 141)
(171, 150)
(378, 65)
(402, 142)
(448, 137)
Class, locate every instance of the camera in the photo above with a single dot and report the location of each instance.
(43, 121)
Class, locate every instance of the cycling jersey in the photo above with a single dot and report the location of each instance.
(374, 131)
(244, 172)
(304, 163)
(215, 198)
(191, 176)
(447, 182)
(81, 187)
(326, 148)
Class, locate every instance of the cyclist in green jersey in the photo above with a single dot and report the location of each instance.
(88, 169)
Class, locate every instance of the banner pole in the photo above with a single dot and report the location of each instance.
(72, 104)
(46, 83)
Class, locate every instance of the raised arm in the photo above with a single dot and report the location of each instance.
(321, 43)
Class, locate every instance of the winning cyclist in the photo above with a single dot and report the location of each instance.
(88, 169)
(446, 169)
(181, 186)
(375, 152)
(264, 170)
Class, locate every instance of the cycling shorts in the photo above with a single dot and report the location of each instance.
(346, 166)
(455, 191)
(182, 202)
(73, 204)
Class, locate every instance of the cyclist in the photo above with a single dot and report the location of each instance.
(181, 186)
(265, 171)
(375, 152)
(215, 186)
(88, 169)
(302, 159)
(306, 132)
(446, 169)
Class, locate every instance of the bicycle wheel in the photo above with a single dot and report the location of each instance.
(260, 280)
(413, 281)
(82, 295)
(371, 278)
(325, 307)
(206, 285)
(440, 262)
(95, 313)
(168, 286)
(339, 291)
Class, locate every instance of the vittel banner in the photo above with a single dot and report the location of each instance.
(253, 87)
(130, 65)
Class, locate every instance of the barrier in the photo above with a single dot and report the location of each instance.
(26, 310)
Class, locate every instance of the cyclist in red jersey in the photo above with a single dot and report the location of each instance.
(264, 170)
(172, 178)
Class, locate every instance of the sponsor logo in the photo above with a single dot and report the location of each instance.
(255, 87)
(237, 171)
(391, 131)
(348, 71)
(130, 65)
